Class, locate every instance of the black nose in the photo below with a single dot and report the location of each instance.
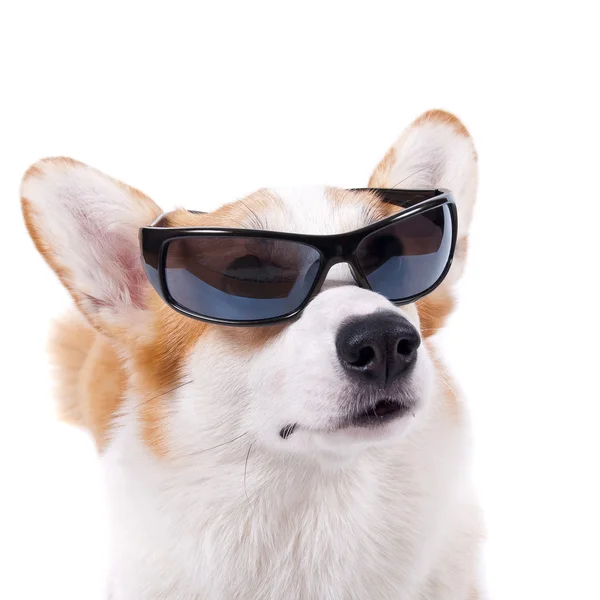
(378, 347)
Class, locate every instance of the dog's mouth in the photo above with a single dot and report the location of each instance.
(381, 413)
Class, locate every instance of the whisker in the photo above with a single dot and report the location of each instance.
(215, 447)
(416, 173)
(246, 472)
(169, 391)
(419, 446)
(452, 390)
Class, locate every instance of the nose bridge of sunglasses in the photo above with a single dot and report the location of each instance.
(341, 250)
(335, 269)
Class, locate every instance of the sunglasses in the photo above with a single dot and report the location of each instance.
(252, 277)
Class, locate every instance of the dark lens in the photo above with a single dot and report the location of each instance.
(240, 279)
(406, 258)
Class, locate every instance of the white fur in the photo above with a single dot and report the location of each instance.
(396, 521)
(236, 512)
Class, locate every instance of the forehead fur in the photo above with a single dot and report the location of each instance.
(310, 210)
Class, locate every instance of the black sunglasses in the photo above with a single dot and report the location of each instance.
(254, 277)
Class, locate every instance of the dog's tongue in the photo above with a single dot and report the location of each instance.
(288, 430)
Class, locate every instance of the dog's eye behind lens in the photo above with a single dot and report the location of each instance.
(405, 258)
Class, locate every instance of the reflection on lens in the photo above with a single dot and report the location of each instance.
(240, 279)
(406, 258)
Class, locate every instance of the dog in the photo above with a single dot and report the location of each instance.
(233, 469)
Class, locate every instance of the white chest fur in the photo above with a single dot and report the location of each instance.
(395, 522)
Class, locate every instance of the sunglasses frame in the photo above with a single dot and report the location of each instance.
(332, 249)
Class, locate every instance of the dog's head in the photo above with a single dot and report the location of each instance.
(352, 370)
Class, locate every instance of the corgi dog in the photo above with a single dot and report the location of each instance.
(259, 450)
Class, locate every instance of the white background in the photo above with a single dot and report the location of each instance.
(202, 103)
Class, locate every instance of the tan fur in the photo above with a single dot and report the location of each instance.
(381, 175)
(69, 345)
(33, 171)
(103, 385)
(91, 378)
(157, 364)
(450, 396)
(434, 309)
(243, 213)
(441, 116)
(89, 375)
(374, 208)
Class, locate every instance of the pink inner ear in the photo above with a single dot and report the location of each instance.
(130, 263)
(114, 249)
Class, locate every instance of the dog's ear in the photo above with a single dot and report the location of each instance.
(85, 225)
(435, 151)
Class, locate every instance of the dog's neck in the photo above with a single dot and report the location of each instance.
(241, 510)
